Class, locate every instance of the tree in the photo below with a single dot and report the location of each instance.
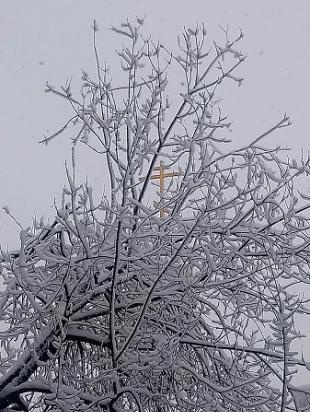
(185, 305)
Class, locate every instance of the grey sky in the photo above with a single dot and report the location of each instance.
(52, 41)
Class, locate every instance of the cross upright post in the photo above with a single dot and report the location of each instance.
(161, 176)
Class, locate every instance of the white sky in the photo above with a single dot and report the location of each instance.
(52, 41)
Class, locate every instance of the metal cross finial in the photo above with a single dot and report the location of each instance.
(162, 175)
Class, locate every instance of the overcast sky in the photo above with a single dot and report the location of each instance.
(52, 40)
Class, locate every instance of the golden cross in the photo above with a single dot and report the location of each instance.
(162, 175)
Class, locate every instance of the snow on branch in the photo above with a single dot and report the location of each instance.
(179, 290)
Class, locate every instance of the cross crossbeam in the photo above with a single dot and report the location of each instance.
(161, 176)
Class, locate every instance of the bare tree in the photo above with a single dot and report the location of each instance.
(188, 304)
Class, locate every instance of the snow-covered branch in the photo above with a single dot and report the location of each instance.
(178, 291)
